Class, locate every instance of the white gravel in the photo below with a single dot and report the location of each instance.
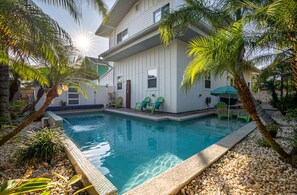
(249, 169)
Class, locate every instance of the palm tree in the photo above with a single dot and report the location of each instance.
(219, 14)
(67, 72)
(219, 53)
(278, 21)
(26, 32)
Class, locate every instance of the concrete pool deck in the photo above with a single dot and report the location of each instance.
(172, 180)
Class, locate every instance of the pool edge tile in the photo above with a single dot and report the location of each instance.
(172, 180)
(90, 174)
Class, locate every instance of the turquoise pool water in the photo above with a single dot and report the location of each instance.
(129, 151)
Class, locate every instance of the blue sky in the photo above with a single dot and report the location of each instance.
(84, 31)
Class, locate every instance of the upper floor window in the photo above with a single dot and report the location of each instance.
(122, 36)
(152, 78)
(159, 13)
(207, 81)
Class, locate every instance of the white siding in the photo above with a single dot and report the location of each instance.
(195, 99)
(135, 68)
(107, 79)
(94, 96)
(138, 21)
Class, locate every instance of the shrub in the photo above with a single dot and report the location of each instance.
(273, 129)
(262, 142)
(15, 108)
(42, 146)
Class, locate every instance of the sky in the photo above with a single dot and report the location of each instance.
(83, 32)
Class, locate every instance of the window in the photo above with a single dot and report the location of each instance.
(122, 36)
(231, 82)
(207, 82)
(159, 13)
(119, 82)
(152, 78)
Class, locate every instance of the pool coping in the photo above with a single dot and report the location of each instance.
(162, 118)
(90, 174)
(170, 181)
(175, 178)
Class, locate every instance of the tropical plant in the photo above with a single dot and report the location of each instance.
(218, 14)
(21, 186)
(28, 34)
(41, 146)
(67, 72)
(223, 51)
(66, 185)
(277, 19)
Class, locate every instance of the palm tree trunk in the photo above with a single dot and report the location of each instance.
(4, 91)
(263, 114)
(52, 94)
(294, 68)
(249, 106)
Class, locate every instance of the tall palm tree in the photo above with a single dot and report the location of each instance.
(219, 14)
(67, 72)
(219, 53)
(26, 32)
(278, 21)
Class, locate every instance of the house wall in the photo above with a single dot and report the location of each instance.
(135, 68)
(97, 96)
(107, 79)
(137, 21)
(195, 99)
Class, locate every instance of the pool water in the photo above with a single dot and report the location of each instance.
(129, 151)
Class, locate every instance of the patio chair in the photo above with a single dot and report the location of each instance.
(222, 110)
(118, 102)
(156, 105)
(141, 105)
(244, 116)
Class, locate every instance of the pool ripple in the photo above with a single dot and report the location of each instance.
(130, 151)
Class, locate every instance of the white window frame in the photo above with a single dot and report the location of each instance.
(207, 77)
(161, 10)
(121, 37)
(147, 79)
(119, 82)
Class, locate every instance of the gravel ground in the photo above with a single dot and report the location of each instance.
(249, 169)
(10, 169)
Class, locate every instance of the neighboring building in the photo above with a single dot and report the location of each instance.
(94, 96)
(152, 68)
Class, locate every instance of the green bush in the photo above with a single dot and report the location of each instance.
(262, 142)
(273, 129)
(15, 108)
(42, 146)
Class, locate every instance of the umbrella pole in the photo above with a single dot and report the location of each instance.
(228, 110)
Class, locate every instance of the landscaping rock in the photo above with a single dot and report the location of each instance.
(249, 169)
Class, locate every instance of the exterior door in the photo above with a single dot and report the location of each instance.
(128, 94)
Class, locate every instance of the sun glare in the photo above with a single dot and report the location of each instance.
(82, 42)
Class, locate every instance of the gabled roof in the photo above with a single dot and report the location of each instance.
(99, 65)
(116, 14)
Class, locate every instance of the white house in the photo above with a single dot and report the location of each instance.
(143, 66)
(73, 99)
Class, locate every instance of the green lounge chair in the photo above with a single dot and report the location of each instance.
(245, 117)
(223, 111)
(117, 103)
(142, 105)
(156, 105)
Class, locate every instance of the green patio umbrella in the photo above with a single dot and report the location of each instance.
(225, 92)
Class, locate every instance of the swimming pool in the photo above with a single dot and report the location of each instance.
(129, 151)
